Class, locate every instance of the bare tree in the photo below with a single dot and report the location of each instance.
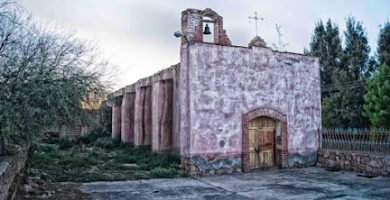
(45, 76)
(280, 46)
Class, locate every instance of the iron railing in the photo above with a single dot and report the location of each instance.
(360, 140)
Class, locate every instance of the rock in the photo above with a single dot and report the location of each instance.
(347, 165)
(332, 155)
(376, 171)
(326, 154)
(364, 160)
(348, 157)
(257, 42)
(375, 164)
(368, 169)
(130, 165)
(384, 173)
(27, 188)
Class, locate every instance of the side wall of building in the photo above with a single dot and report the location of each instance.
(147, 112)
(223, 83)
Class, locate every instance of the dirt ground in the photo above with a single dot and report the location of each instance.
(53, 191)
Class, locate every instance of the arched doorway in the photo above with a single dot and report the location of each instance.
(262, 142)
(264, 139)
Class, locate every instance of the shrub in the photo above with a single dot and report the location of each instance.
(166, 159)
(105, 143)
(160, 172)
(377, 98)
(77, 160)
(65, 143)
(89, 138)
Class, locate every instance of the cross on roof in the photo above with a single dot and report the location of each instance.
(256, 18)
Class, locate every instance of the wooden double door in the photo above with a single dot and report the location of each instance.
(262, 142)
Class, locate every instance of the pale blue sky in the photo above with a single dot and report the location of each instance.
(137, 35)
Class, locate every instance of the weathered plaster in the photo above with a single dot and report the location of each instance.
(137, 107)
(184, 107)
(142, 116)
(162, 115)
(116, 120)
(127, 118)
(211, 90)
(225, 82)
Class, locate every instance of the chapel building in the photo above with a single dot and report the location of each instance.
(225, 108)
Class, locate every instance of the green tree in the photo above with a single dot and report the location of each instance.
(355, 57)
(383, 50)
(377, 98)
(342, 72)
(356, 62)
(326, 44)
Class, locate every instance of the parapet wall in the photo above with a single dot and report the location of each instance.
(165, 74)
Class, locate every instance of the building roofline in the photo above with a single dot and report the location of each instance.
(276, 51)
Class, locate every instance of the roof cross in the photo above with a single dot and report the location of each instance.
(255, 18)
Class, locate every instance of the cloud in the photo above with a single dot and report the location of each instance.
(137, 34)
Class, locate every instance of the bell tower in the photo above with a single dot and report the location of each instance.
(192, 26)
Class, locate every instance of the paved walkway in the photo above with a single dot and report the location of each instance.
(305, 183)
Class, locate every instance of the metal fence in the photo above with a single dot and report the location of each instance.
(371, 141)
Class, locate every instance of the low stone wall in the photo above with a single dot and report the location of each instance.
(211, 164)
(366, 163)
(11, 172)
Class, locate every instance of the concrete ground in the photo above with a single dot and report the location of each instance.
(304, 183)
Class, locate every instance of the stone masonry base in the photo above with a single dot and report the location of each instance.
(369, 164)
(212, 164)
(306, 159)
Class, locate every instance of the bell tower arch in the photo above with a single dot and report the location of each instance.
(192, 26)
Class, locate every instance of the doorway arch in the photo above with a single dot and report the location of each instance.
(279, 148)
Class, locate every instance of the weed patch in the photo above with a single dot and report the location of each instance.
(99, 159)
(160, 172)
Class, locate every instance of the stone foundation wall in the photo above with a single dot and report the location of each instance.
(11, 170)
(366, 163)
(306, 159)
(210, 164)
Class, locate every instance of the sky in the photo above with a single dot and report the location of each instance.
(137, 35)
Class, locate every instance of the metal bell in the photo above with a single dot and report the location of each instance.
(207, 30)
